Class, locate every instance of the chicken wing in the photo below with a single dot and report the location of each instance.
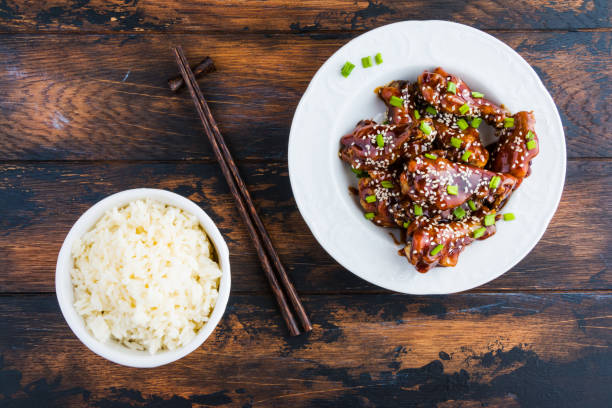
(379, 196)
(422, 137)
(461, 145)
(374, 146)
(440, 243)
(458, 99)
(518, 145)
(446, 185)
(400, 93)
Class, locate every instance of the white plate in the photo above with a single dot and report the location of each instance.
(332, 105)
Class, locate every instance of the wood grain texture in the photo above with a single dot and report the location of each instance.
(86, 112)
(368, 350)
(42, 200)
(105, 97)
(301, 17)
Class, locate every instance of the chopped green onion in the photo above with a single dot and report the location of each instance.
(455, 142)
(459, 212)
(359, 173)
(395, 101)
(406, 224)
(370, 198)
(366, 62)
(385, 122)
(418, 210)
(437, 249)
(509, 122)
(477, 94)
(380, 141)
(369, 216)
(452, 189)
(472, 205)
(489, 219)
(431, 156)
(479, 232)
(431, 110)
(378, 59)
(462, 124)
(417, 115)
(476, 123)
(425, 128)
(463, 109)
(531, 144)
(466, 155)
(451, 87)
(508, 217)
(386, 184)
(494, 182)
(530, 135)
(346, 69)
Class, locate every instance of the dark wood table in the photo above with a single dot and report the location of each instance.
(86, 112)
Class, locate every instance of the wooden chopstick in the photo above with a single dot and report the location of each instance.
(284, 277)
(276, 289)
(245, 204)
(204, 67)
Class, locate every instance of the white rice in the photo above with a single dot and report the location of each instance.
(144, 276)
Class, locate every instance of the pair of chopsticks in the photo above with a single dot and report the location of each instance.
(257, 231)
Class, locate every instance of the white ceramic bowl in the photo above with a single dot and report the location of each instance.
(332, 105)
(65, 295)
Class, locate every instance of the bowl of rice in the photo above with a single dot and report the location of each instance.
(143, 277)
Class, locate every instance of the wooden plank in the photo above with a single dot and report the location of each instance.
(303, 17)
(105, 97)
(548, 350)
(40, 202)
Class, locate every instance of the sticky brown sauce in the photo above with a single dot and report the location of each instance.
(395, 239)
(403, 236)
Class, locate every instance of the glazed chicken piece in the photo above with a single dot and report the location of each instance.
(440, 243)
(422, 137)
(427, 171)
(445, 185)
(518, 145)
(379, 196)
(391, 94)
(419, 212)
(428, 210)
(373, 146)
(450, 135)
(458, 99)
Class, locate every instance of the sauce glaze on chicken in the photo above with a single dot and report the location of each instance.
(426, 170)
